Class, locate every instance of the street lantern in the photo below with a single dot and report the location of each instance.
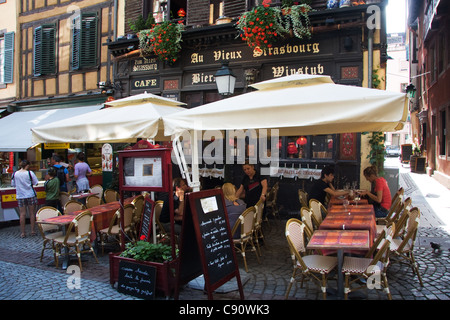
(411, 91)
(225, 80)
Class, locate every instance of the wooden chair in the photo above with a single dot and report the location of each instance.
(258, 233)
(402, 247)
(315, 267)
(97, 189)
(110, 195)
(77, 236)
(318, 210)
(356, 268)
(72, 206)
(394, 214)
(64, 197)
(303, 197)
(93, 200)
(113, 231)
(138, 203)
(246, 222)
(48, 232)
(271, 200)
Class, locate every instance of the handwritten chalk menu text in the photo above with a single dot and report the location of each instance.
(206, 245)
(137, 280)
(217, 245)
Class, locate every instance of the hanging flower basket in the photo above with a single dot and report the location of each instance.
(264, 25)
(163, 40)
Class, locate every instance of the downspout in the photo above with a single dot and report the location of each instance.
(369, 58)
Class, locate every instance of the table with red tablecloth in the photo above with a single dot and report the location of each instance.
(340, 201)
(340, 241)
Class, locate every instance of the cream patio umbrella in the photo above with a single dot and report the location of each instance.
(124, 121)
(294, 105)
(298, 105)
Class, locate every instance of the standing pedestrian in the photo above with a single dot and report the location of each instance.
(61, 172)
(24, 180)
(82, 171)
(51, 187)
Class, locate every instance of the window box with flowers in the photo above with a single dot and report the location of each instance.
(265, 25)
(156, 255)
(163, 40)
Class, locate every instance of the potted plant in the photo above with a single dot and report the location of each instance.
(143, 252)
(264, 25)
(163, 40)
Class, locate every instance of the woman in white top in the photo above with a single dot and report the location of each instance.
(24, 180)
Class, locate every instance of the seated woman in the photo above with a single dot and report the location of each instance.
(381, 196)
(179, 188)
(234, 206)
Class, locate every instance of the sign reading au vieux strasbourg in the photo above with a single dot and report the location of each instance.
(311, 53)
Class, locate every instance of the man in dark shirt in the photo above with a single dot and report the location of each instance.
(324, 186)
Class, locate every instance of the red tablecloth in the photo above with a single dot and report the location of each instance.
(339, 239)
(360, 208)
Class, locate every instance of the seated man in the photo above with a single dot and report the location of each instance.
(324, 186)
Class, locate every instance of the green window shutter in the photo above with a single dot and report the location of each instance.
(85, 41)
(9, 57)
(44, 56)
(89, 35)
(37, 51)
(76, 40)
(48, 49)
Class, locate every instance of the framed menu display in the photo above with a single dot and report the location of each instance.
(144, 170)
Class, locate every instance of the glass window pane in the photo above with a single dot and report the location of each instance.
(322, 146)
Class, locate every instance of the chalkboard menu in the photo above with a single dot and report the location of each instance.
(137, 280)
(147, 218)
(406, 152)
(206, 244)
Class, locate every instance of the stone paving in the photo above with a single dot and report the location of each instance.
(24, 277)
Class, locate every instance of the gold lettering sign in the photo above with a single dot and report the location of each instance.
(145, 64)
(287, 49)
(280, 71)
(145, 83)
(200, 78)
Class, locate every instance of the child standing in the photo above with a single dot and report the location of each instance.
(52, 189)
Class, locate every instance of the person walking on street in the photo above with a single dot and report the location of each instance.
(82, 171)
(24, 180)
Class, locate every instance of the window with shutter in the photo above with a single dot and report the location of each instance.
(44, 52)
(85, 41)
(8, 62)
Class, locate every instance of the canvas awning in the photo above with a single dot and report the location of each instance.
(15, 129)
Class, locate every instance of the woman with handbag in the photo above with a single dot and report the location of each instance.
(24, 180)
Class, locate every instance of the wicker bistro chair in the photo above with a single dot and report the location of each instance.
(93, 201)
(308, 219)
(110, 195)
(98, 189)
(76, 238)
(64, 197)
(246, 222)
(394, 215)
(318, 209)
(402, 247)
(113, 231)
(48, 232)
(356, 268)
(271, 200)
(72, 206)
(316, 267)
(303, 197)
(258, 232)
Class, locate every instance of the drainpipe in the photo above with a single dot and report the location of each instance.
(370, 58)
(116, 10)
